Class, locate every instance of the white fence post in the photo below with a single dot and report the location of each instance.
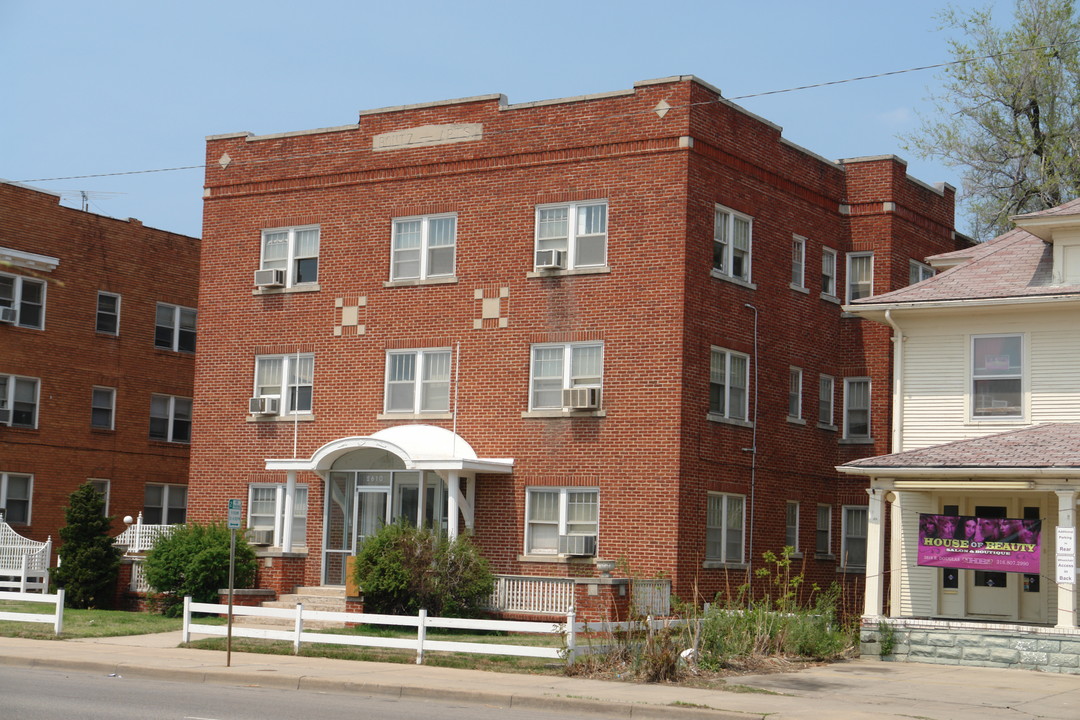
(185, 635)
(58, 626)
(25, 567)
(571, 639)
(299, 628)
(421, 635)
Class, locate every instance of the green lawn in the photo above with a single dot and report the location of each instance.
(85, 623)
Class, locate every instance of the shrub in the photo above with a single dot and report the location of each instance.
(194, 560)
(403, 569)
(89, 562)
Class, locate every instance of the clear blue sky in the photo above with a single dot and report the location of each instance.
(127, 85)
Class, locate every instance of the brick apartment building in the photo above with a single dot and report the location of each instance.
(601, 327)
(97, 333)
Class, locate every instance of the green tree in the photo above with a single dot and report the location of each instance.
(194, 560)
(89, 562)
(1008, 115)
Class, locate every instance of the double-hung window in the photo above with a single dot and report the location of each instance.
(571, 235)
(170, 418)
(18, 401)
(164, 504)
(826, 386)
(102, 408)
(102, 486)
(266, 508)
(857, 408)
(25, 298)
(560, 520)
(725, 520)
(423, 247)
(798, 262)
(107, 319)
(729, 378)
(294, 251)
(794, 402)
(860, 275)
(828, 272)
(853, 552)
(823, 530)
(997, 367)
(791, 526)
(289, 378)
(15, 490)
(917, 272)
(417, 381)
(174, 328)
(556, 367)
(731, 244)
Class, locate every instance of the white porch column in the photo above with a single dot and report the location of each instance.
(875, 554)
(453, 483)
(1066, 596)
(287, 512)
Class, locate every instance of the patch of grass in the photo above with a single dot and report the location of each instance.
(86, 623)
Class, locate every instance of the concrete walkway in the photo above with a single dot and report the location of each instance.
(855, 689)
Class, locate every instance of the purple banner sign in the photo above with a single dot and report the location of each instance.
(975, 543)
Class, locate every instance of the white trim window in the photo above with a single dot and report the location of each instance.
(823, 531)
(170, 418)
(791, 525)
(556, 367)
(732, 243)
(423, 247)
(917, 272)
(164, 504)
(826, 390)
(554, 512)
(102, 486)
(102, 408)
(19, 401)
(828, 272)
(417, 381)
(107, 317)
(857, 408)
(266, 511)
(860, 275)
(798, 262)
(724, 528)
(729, 378)
(289, 378)
(16, 489)
(794, 401)
(576, 230)
(293, 250)
(853, 538)
(27, 296)
(997, 376)
(174, 328)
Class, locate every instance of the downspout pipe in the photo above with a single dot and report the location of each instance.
(753, 449)
(898, 384)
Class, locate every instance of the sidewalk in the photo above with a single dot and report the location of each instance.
(856, 689)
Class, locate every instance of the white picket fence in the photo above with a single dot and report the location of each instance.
(528, 594)
(56, 619)
(24, 563)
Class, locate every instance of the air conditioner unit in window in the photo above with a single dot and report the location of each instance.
(580, 545)
(263, 405)
(260, 537)
(550, 259)
(5, 416)
(581, 398)
(7, 315)
(270, 278)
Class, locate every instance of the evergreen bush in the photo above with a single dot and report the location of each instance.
(89, 563)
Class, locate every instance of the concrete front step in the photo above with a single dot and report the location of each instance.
(328, 599)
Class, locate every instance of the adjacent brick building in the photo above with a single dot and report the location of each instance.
(97, 333)
(596, 327)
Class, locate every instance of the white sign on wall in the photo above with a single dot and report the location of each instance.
(1066, 555)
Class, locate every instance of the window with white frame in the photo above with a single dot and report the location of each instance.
(294, 251)
(266, 511)
(559, 512)
(917, 272)
(860, 275)
(174, 328)
(417, 381)
(170, 418)
(791, 525)
(725, 520)
(826, 389)
(794, 401)
(102, 486)
(997, 367)
(574, 233)
(732, 243)
(857, 408)
(853, 550)
(559, 366)
(423, 247)
(798, 261)
(729, 378)
(107, 318)
(15, 492)
(164, 504)
(828, 272)
(19, 401)
(26, 297)
(102, 408)
(289, 378)
(823, 530)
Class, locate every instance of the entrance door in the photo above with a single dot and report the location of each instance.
(372, 511)
(991, 594)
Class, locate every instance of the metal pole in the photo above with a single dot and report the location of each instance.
(232, 567)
